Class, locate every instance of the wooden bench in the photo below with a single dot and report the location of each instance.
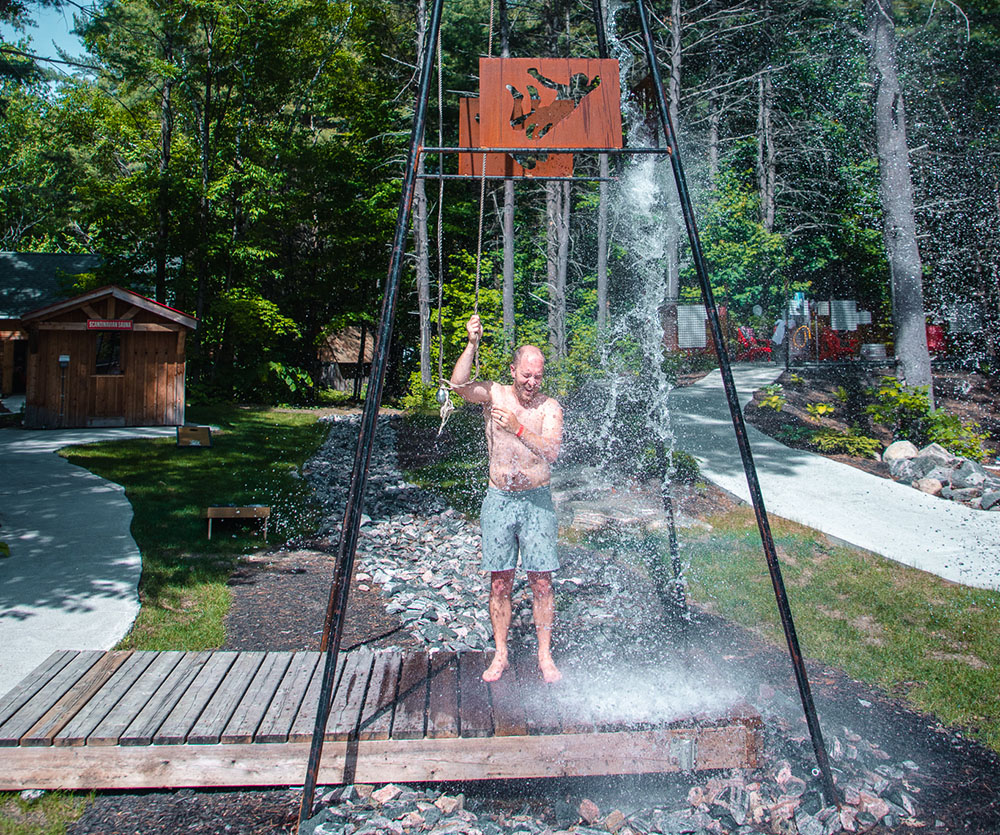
(194, 436)
(254, 511)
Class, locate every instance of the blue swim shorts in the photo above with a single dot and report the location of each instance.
(519, 520)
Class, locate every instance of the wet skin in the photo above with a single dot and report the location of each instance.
(516, 463)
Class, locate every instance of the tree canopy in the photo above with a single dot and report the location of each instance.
(242, 162)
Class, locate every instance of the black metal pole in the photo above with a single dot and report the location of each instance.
(359, 477)
(802, 679)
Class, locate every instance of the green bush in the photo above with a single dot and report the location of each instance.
(907, 413)
(818, 410)
(773, 397)
(849, 442)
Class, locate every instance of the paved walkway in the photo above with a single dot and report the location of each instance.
(71, 580)
(879, 515)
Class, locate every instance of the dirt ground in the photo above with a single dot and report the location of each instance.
(279, 602)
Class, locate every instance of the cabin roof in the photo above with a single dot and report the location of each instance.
(343, 346)
(120, 293)
(29, 280)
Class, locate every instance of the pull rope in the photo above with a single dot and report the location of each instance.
(482, 195)
(440, 215)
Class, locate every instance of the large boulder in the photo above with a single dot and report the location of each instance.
(990, 500)
(968, 474)
(929, 485)
(899, 451)
(901, 469)
(937, 452)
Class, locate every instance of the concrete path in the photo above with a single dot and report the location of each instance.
(879, 515)
(71, 580)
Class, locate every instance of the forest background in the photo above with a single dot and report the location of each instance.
(242, 162)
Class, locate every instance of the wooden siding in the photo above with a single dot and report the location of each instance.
(149, 391)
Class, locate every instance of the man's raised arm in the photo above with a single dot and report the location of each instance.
(473, 391)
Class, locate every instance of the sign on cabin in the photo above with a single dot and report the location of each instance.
(109, 324)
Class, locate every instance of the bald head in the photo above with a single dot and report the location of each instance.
(526, 351)
(527, 367)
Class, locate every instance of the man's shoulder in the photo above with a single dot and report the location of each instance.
(550, 404)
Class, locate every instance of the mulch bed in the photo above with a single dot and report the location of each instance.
(971, 396)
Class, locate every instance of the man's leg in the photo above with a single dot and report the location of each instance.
(543, 607)
(501, 583)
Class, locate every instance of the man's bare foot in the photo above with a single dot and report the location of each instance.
(495, 670)
(549, 670)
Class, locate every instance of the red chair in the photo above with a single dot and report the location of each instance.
(751, 348)
(835, 346)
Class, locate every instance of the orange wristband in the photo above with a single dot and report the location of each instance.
(520, 431)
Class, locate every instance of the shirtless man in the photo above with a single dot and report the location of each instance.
(523, 433)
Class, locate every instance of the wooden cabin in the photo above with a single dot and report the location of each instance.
(338, 356)
(13, 357)
(109, 357)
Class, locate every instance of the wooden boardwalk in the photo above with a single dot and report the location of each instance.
(155, 719)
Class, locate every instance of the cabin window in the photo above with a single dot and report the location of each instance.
(109, 353)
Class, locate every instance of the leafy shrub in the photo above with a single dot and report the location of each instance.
(907, 413)
(957, 437)
(818, 410)
(773, 397)
(841, 394)
(335, 397)
(796, 380)
(849, 442)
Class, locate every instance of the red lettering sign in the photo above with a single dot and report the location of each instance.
(109, 324)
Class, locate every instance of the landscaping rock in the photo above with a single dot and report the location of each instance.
(968, 474)
(589, 811)
(899, 451)
(928, 485)
(990, 501)
(937, 452)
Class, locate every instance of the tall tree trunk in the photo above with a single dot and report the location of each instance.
(509, 326)
(673, 247)
(555, 271)
(765, 150)
(602, 245)
(896, 193)
(422, 255)
(163, 192)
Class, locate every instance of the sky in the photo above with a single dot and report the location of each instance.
(51, 26)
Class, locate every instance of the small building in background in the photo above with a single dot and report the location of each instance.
(338, 357)
(108, 357)
(29, 280)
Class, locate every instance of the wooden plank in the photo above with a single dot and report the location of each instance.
(277, 721)
(76, 731)
(541, 709)
(345, 712)
(508, 705)
(257, 699)
(14, 699)
(370, 761)
(410, 716)
(39, 704)
(442, 697)
(217, 713)
(176, 727)
(305, 722)
(376, 715)
(475, 712)
(112, 726)
(59, 715)
(154, 713)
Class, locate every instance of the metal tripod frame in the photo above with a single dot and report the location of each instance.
(348, 542)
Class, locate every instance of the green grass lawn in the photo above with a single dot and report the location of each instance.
(932, 642)
(183, 587)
